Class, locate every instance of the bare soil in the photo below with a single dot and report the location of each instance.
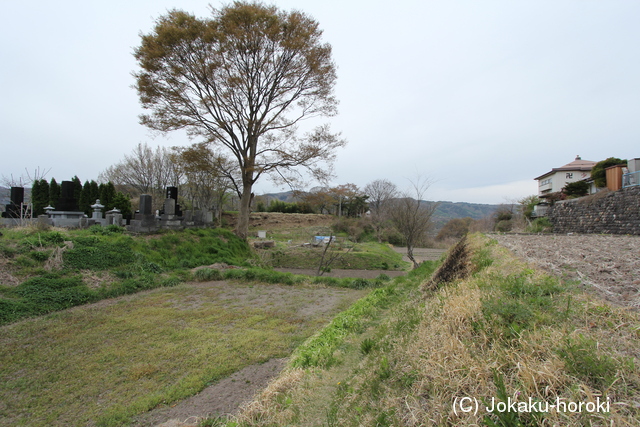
(224, 397)
(606, 264)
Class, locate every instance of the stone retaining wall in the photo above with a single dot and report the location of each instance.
(607, 212)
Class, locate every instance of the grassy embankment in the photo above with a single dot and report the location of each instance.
(507, 333)
(47, 271)
(293, 250)
(58, 269)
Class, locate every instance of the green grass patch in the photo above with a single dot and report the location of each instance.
(319, 351)
(357, 256)
(524, 301)
(195, 247)
(137, 263)
(127, 356)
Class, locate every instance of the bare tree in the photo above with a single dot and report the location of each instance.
(206, 174)
(412, 216)
(25, 179)
(381, 195)
(144, 171)
(242, 80)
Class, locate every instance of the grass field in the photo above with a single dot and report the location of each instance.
(99, 326)
(101, 364)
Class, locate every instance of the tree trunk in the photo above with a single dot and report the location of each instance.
(242, 229)
(410, 256)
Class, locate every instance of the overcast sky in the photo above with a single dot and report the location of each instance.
(481, 96)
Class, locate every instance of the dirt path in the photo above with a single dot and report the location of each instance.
(224, 397)
(421, 254)
(337, 272)
(608, 264)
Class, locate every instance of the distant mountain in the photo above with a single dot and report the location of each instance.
(463, 210)
(449, 210)
(286, 196)
(445, 212)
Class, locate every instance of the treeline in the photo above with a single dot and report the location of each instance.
(346, 200)
(45, 194)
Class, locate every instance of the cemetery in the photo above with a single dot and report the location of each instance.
(68, 215)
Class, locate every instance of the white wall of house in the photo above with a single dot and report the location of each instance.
(556, 181)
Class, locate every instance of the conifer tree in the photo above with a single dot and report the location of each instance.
(54, 192)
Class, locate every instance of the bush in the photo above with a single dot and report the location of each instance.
(284, 207)
(455, 228)
(108, 230)
(504, 226)
(394, 238)
(358, 229)
(598, 173)
(540, 225)
(50, 292)
(195, 247)
(576, 189)
(503, 214)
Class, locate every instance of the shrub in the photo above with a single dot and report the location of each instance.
(360, 284)
(455, 228)
(105, 231)
(598, 172)
(503, 214)
(576, 189)
(504, 226)
(40, 256)
(284, 207)
(540, 225)
(98, 256)
(50, 292)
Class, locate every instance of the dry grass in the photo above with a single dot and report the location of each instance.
(457, 359)
(559, 343)
(272, 400)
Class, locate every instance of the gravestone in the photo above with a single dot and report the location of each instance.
(67, 201)
(145, 204)
(145, 221)
(13, 208)
(114, 217)
(17, 195)
(169, 208)
(172, 193)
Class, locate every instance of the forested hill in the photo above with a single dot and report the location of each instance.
(463, 210)
(449, 210)
(445, 212)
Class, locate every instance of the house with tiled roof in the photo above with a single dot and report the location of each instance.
(555, 180)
